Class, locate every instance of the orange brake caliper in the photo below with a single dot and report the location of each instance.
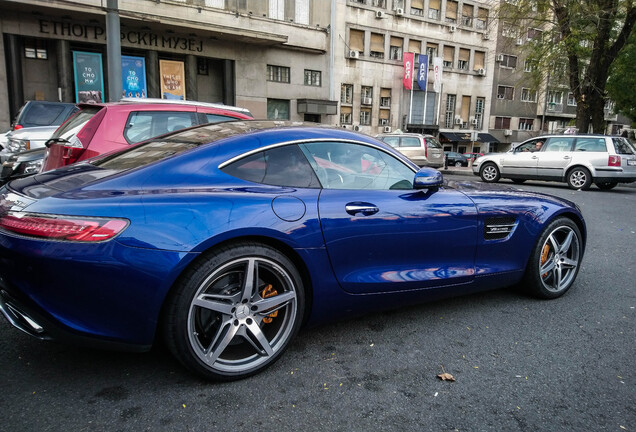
(544, 257)
(269, 291)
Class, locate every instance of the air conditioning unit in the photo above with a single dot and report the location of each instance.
(519, 41)
(387, 129)
(367, 101)
(507, 132)
(458, 120)
(379, 14)
(474, 121)
(485, 36)
(452, 28)
(399, 12)
(353, 54)
(481, 72)
(356, 127)
(499, 58)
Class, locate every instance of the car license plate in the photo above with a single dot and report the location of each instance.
(631, 162)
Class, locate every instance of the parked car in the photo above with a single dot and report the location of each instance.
(102, 128)
(578, 160)
(26, 139)
(234, 235)
(22, 164)
(424, 150)
(472, 156)
(456, 159)
(43, 113)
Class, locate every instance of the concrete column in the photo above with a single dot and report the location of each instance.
(14, 74)
(229, 83)
(65, 70)
(153, 79)
(192, 92)
(113, 50)
(5, 118)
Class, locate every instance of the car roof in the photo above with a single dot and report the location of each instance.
(154, 102)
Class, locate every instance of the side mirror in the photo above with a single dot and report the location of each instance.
(427, 178)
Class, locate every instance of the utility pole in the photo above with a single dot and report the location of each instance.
(113, 50)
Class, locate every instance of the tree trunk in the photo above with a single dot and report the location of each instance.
(582, 117)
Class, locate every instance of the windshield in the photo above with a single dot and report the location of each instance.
(76, 123)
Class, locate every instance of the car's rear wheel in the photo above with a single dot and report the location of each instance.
(489, 173)
(606, 186)
(579, 178)
(458, 164)
(235, 311)
(518, 181)
(555, 260)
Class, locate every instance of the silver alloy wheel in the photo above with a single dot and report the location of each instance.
(242, 314)
(560, 259)
(578, 178)
(489, 173)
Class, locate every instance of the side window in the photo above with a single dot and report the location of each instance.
(280, 166)
(217, 118)
(392, 141)
(559, 144)
(433, 143)
(529, 146)
(143, 125)
(590, 145)
(410, 142)
(356, 166)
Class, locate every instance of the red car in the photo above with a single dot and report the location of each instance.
(102, 128)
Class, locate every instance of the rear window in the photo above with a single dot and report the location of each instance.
(43, 115)
(410, 142)
(143, 125)
(217, 118)
(433, 143)
(590, 145)
(623, 146)
(76, 123)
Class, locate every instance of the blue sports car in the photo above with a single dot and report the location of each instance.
(225, 239)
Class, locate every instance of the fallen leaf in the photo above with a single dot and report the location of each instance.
(446, 377)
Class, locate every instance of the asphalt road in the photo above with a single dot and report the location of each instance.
(520, 364)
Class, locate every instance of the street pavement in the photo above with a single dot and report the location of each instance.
(520, 364)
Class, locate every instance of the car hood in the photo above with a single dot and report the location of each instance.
(33, 133)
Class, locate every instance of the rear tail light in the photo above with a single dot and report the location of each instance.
(614, 161)
(54, 227)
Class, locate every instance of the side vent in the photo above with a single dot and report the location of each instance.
(498, 227)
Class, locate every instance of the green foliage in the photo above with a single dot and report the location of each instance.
(621, 86)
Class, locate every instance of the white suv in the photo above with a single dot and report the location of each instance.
(578, 160)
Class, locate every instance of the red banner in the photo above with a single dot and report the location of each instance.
(408, 70)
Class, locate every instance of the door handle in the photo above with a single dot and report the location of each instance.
(364, 208)
(567, 157)
(535, 157)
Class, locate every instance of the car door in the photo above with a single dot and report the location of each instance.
(381, 234)
(522, 162)
(554, 157)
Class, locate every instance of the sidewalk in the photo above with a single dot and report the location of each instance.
(452, 170)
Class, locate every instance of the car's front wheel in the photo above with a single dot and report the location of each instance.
(579, 178)
(458, 164)
(489, 173)
(555, 260)
(235, 311)
(606, 186)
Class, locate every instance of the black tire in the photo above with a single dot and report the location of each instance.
(555, 260)
(518, 181)
(606, 186)
(234, 312)
(489, 173)
(579, 178)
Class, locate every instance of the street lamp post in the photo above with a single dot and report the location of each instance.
(113, 50)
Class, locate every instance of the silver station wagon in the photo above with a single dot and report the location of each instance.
(424, 150)
(578, 160)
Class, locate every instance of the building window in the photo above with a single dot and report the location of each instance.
(467, 15)
(528, 95)
(385, 98)
(508, 30)
(278, 73)
(505, 92)
(431, 51)
(378, 3)
(571, 99)
(555, 97)
(395, 48)
(479, 113)
(366, 96)
(377, 46)
(417, 7)
(35, 49)
(346, 93)
(385, 117)
(508, 61)
(365, 116)
(449, 117)
(534, 33)
(449, 55)
(277, 109)
(529, 66)
(434, 8)
(464, 58)
(356, 41)
(482, 19)
(502, 122)
(451, 11)
(526, 124)
(312, 78)
(346, 115)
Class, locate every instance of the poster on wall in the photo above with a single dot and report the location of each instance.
(133, 70)
(172, 79)
(89, 77)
